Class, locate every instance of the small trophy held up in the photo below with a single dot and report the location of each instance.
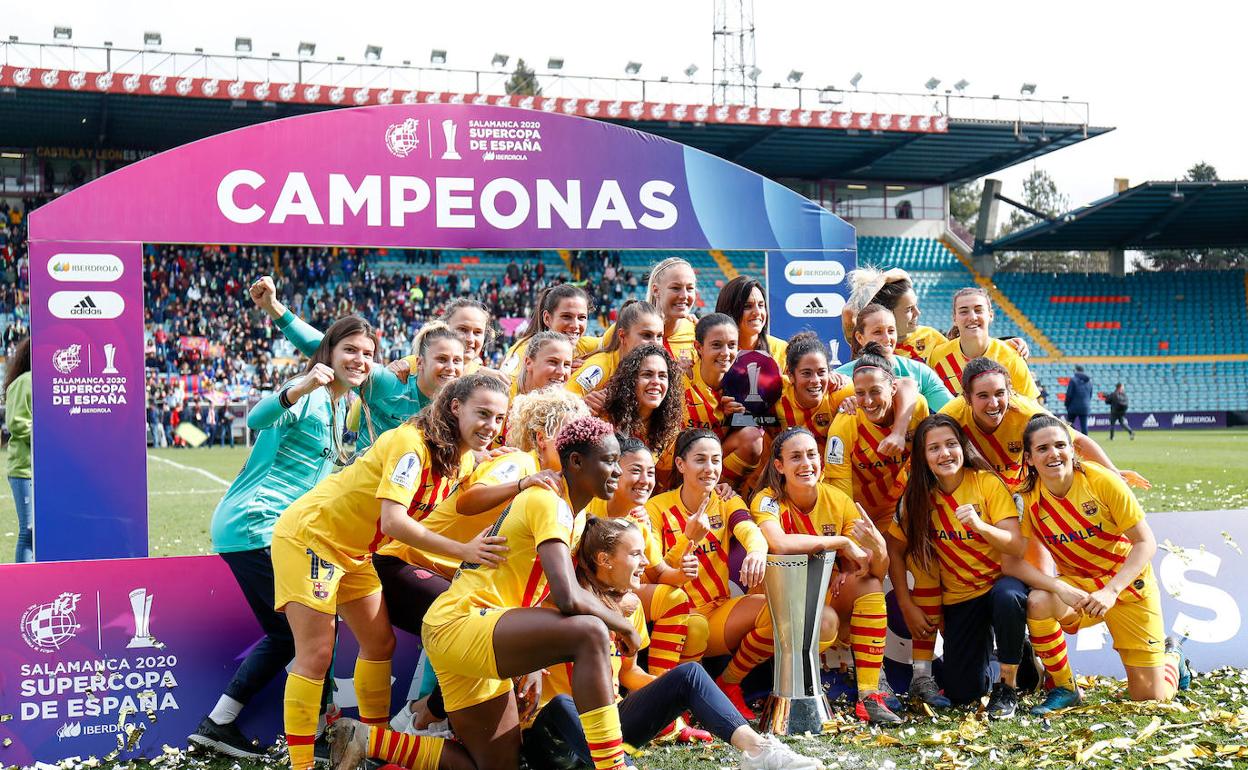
(754, 382)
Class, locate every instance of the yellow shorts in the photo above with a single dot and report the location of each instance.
(717, 614)
(462, 654)
(1137, 629)
(300, 576)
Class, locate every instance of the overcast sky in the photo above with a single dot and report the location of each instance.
(1168, 76)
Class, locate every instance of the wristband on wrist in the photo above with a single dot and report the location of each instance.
(283, 398)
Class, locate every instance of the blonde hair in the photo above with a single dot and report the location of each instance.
(652, 285)
(547, 410)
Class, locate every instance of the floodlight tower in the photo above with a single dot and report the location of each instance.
(734, 53)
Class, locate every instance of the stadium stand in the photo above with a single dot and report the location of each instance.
(1141, 314)
(937, 274)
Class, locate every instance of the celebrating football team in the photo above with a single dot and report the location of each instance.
(579, 537)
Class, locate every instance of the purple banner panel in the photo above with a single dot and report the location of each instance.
(89, 444)
(1162, 420)
(442, 176)
(92, 651)
(136, 650)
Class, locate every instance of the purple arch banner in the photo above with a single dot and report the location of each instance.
(442, 176)
(421, 176)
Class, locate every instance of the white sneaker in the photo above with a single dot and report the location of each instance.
(774, 755)
(440, 729)
(402, 721)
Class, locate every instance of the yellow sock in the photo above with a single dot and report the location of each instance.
(415, 752)
(735, 470)
(301, 707)
(372, 690)
(756, 646)
(602, 733)
(1049, 643)
(697, 636)
(670, 611)
(1171, 675)
(867, 628)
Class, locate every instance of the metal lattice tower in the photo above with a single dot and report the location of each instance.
(735, 69)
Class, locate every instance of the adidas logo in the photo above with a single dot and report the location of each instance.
(86, 306)
(814, 305)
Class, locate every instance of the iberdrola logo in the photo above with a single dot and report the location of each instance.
(60, 267)
(792, 271)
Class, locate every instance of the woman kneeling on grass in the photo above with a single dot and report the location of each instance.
(610, 563)
(956, 523)
(1090, 522)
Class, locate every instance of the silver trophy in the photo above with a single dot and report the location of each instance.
(796, 589)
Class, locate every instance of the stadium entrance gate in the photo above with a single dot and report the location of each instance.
(124, 653)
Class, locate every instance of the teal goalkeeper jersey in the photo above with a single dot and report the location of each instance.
(389, 401)
(294, 450)
(928, 381)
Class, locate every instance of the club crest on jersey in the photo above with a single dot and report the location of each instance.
(319, 591)
(828, 531)
(836, 451)
(920, 346)
(1090, 508)
(1016, 447)
(717, 521)
(823, 420)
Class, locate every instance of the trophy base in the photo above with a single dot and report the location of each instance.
(747, 420)
(141, 642)
(794, 716)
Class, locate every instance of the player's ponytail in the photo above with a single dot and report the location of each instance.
(873, 356)
(860, 324)
(547, 302)
(772, 477)
(601, 535)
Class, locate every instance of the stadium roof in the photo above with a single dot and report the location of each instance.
(1152, 215)
(968, 149)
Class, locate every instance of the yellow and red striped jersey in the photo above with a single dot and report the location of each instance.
(702, 407)
(852, 462)
(834, 513)
(677, 343)
(1003, 448)
(341, 516)
(969, 566)
(1084, 530)
(920, 342)
(948, 360)
(536, 515)
(729, 520)
(817, 420)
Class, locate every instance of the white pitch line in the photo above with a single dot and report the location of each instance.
(200, 471)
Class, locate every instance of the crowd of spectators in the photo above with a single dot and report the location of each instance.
(209, 352)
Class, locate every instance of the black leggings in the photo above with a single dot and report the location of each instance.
(269, 657)
(643, 714)
(408, 591)
(970, 630)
